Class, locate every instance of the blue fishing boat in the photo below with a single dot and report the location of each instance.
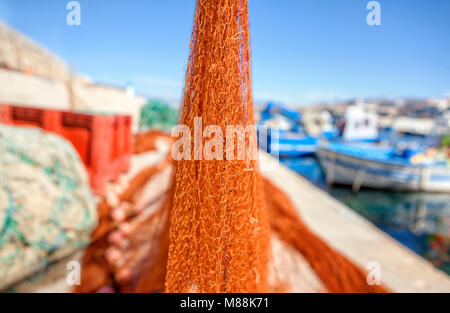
(372, 166)
(291, 144)
(281, 133)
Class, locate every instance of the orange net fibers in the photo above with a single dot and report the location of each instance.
(144, 142)
(336, 272)
(219, 234)
(96, 271)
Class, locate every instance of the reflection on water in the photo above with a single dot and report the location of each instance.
(420, 221)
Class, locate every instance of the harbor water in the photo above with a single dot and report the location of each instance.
(420, 221)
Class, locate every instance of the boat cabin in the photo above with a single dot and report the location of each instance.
(359, 124)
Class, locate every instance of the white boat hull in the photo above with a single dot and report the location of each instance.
(350, 170)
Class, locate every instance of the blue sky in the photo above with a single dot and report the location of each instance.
(303, 51)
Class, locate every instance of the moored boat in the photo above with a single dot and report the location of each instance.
(292, 144)
(381, 168)
(281, 132)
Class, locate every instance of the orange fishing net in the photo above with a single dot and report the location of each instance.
(219, 232)
(97, 271)
(336, 272)
(212, 233)
(144, 142)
